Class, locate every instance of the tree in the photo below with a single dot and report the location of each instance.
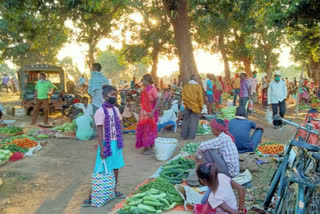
(301, 21)
(31, 31)
(94, 19)
(68, 65)
(177, 10)
(267, 37)
(5, 69)
(211, 20)
(152, 37)
(113, 64)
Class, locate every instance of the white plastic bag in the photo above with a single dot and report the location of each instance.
(189, 195)
(164, 148)
(268, 116)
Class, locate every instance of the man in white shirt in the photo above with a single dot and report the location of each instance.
(277, 94)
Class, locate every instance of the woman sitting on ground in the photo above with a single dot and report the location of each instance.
(129, 116)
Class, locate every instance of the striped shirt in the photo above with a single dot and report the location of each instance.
(228, 150)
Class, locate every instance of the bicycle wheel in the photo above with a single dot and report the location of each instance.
(288, 204)
(314, 204)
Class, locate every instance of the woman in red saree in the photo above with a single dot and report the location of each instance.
(147, 132)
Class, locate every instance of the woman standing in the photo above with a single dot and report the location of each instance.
(217, 88)
(265, 91)
(147, 125)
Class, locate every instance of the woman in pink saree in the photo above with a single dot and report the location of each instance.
(147, 132)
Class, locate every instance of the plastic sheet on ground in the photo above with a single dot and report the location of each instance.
(243, 178)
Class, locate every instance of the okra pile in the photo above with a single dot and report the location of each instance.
(177, 170)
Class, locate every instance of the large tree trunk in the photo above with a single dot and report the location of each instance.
(225, 58)
(178, 13)
(91, 52)
(247, 65)
(314, 70)
(154, 69)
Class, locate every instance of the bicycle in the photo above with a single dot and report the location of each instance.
(296, 180)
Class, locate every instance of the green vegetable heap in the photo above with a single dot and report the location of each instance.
(177, 170)
(14, 148)
(228, 113)
(9, 140)
(191, 148)
(67, 127)
(10, 130)
(154, 197)
(4, 155)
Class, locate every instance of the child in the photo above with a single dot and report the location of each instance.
(108, 122)
(222, 199)
(86, 107)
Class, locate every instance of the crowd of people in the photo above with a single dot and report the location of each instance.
(161, 108)
(9, 84)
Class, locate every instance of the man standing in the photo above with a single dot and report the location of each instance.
(82, 81)
(44, 89)
(254, 82)
(5, 82)
(193, 100)
(209, 90)
(277, 94)
(235, 84)
(244, 141)
(97, 81)
(245, 92)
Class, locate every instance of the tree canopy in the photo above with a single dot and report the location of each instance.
(246, 33)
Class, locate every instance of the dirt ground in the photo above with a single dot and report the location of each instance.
(57, 179)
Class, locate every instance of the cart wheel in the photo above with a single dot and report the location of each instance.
(288, 205)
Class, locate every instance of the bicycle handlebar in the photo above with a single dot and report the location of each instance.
(297, 125)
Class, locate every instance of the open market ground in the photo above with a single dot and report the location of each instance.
(57, 179)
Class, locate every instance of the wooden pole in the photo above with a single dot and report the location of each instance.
(298, 91)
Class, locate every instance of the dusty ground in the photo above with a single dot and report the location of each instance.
(57, 179)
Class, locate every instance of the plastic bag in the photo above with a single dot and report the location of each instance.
(189, 196)
(268, 116)
(250, 105)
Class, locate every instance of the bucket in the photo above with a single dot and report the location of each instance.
(164, 148)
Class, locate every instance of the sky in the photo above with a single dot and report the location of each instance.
(206, 62)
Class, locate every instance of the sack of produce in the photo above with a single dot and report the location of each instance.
(164, 148)
(103, 185)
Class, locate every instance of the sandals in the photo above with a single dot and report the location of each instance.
(120, 195)
(149, 152)
(86, 203)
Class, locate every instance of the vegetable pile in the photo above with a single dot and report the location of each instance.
(25, 143)
(226, 96)
(4, 155)
(271, 149)
(67, 127)
(13, 148)
(11, 139)
(177, 170)
(191, 148)
(203, 129)
(10, 130)
(152, 200)
(228, 113)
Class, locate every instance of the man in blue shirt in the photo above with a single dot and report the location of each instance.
(240, 127)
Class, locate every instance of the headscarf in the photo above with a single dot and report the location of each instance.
(223, 128)
(97, 81)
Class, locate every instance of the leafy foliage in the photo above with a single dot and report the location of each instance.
(31, 31)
